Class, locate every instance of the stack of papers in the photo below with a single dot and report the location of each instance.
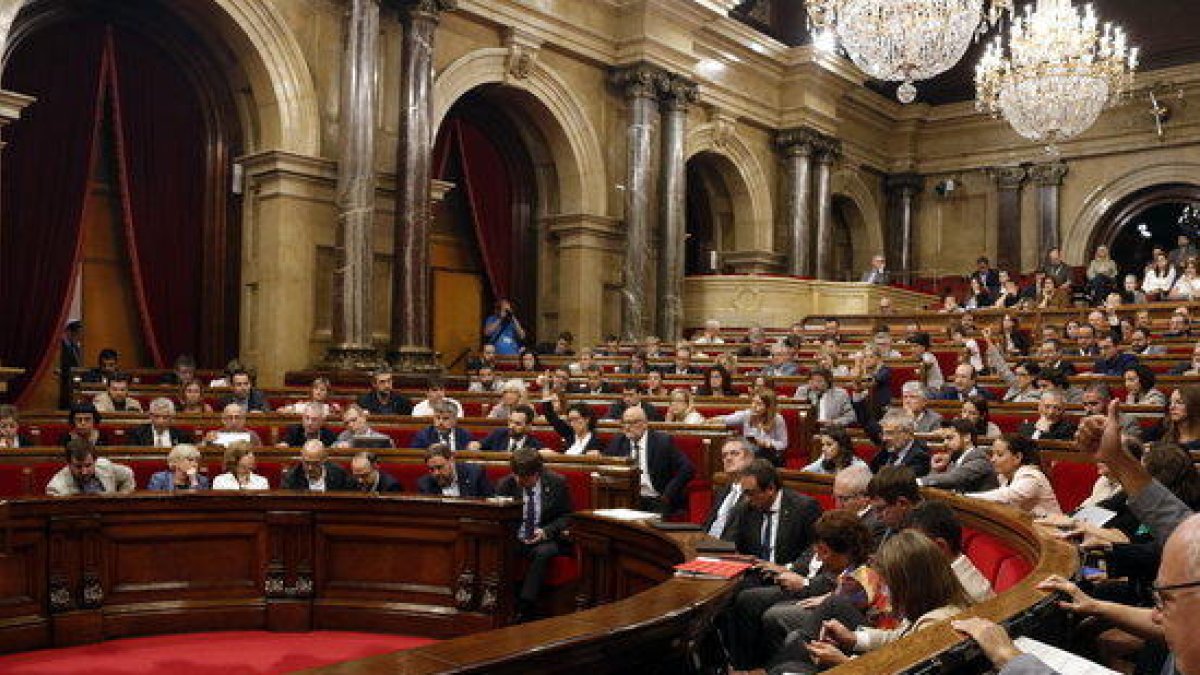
(627, 514)
(1060, 660)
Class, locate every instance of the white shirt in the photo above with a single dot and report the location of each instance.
(162, 439)
(638, 448)
(718, 526)
(451, 490)
(579, 447)
(424, 409)
(774, 515)
(973, 582)
(317, 485)
(228, 481)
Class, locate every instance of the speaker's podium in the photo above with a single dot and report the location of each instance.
(779, 300)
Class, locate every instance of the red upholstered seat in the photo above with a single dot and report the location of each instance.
(825, 499)
(401, 436)
(1072, 482)
(1011, 570)
(699, 501)
(865, 450)
(1009, 422)
(407, 473)
(999, 563)
(562, 570)
(15, 480)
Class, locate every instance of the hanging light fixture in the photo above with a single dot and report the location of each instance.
(1061, 71)
(902, 40)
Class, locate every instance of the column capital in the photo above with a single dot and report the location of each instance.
(423, 8)
(1009, 177)
(828, 150)
(910, 183)
(1048, 175)
(677, 92)
(640, 80)
(800, 141)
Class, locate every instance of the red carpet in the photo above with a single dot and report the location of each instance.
(232, 653)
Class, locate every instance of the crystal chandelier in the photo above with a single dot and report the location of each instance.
(903, 40)
(1062, 70)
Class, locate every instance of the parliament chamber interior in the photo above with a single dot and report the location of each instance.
(635, 336)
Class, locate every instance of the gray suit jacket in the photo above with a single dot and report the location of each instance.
(1027, 664)
(835, 407)
(871, 276)
(974, 474)
(116, 478)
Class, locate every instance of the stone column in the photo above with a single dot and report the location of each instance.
(672, 198)
(641, 84)
(797, 147)
(1049, 179)
(1008, 249)
(353, 347)
(904, 189)
(412, 333)
(827, 152)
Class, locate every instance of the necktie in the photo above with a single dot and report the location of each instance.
(765, 549)
(530, 522)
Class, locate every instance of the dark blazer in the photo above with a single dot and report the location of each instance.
(295, 437)
(395, 405)
(497, 441)
(430, 435)
(917, 458)
(719, 495)
(1115, 366)
(566, 433)
(556, 501)
(472, 482)
(989, 279)
(670, 469)
(144, 435)
(582, 388)
(256, 401)
(669, 369)
(336, 479)
(951, 393)
(387, 483)
(1063, 367)
(1062, 430)
(797, 515)
(974, 474)
(618, 408)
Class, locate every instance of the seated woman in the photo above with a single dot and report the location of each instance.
(1140, 389)
(924, 591)
(191, 398)
(239, 473)
(319, 396)
(183, 471)
(578, 431)
(762, 425)
(512, 394)
(717, 382)
(10, 428)
(837, 451)
(1022, 483)
(682, 408)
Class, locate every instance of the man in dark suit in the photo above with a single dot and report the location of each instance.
(894, 493)
(159, 432)
(682, 364)
(901, 448)
(1113, 361)
(515, 435)
(631, 397)
(380, 400)
(665, 470)
(546, 511)
(988, 277)
(1050, 424)
(315, 473)
(593, 383)
(244, 393)
(1050, 356)
(70, 357)
(452, 479)
(312, 426)
(965, 386)
(445, 430)
(365, 471)
(736, 455)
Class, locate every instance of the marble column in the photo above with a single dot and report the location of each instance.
(797, 146)
(672, 197)
(904, 189)
(353, 347)
(412, 332)
(641, 84)
(827, 153)
(1049, 179)
(1009, 180)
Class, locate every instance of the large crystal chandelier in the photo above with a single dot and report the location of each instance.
(902, 40)
(1062, 70)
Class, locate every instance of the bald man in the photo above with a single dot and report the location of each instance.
(315, 473)
(665, 470)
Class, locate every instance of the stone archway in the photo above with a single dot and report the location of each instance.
(743, 178)
(858, 209)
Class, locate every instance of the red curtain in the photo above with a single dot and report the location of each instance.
(161, 161)
(44, 184)
(487, 191)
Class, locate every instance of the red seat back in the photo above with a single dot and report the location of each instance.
(1072, 482)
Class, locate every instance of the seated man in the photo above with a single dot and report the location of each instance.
(83, 420)
(515, 435)
(445, 430)
(244, 393)
(159, 433)
(915, 400)
(631, 397)
(546, 509)
(1113, 361)
(435, 392)
(593, 382)
(937, 521)
(10, 428)
(894, 494)
(682, 364)
(782, 364)
(315, 473)
(756, 346)
(380, 400)
(183, 472)
(965, 385)
(107, 364)
(961, 466)
(449, 478)
(87, 474)
(115, 397)
(233, 418)
(483, 380)
(831, 402)
(1051, 425)
(775, 523)
(736, 455)
(711, 335)
(900, 447)
(364, 468)
(665, 470)
(358, 431)
(312, 426)
(184, 372)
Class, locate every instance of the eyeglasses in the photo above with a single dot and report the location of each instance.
(1157, 591)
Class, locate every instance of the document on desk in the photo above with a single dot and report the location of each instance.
(1094, 515)
(1061, 660)
(627, 514)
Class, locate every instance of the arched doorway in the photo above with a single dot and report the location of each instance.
(710, 212)
(133, 227)
(849, 229)
(485, 237)
(1153, 216)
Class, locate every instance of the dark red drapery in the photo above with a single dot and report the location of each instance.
(43, 186)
